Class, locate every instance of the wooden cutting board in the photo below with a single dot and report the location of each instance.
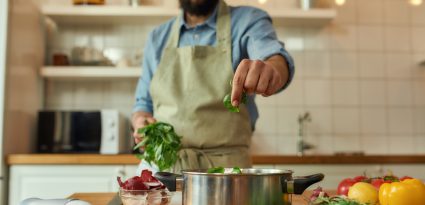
(112, 198)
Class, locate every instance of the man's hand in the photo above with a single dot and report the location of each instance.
(140, 120)
(260, 77)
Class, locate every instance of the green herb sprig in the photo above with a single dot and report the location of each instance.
(227, 101)
(161, 145)
(220, 170)
(337, 200)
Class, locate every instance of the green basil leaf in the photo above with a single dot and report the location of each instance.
(236, 170)
(227, 101)
(215, 170)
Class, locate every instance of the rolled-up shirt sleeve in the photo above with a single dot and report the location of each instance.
(143, 100)
(262, 42)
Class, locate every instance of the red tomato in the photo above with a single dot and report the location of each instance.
(344, 185)
(377, 182)
(405, 177)
(360, 178)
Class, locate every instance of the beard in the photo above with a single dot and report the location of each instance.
(198, 7)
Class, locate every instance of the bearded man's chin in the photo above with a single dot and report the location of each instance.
(198, 7)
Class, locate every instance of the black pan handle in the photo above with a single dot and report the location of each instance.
(170, 180)
(299, 184)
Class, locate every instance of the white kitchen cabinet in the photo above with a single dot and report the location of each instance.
(60, 181)
(2, 198)
(131, 170)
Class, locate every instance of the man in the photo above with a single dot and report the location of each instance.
(188, 64)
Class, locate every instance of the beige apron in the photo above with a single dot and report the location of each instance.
(187, 91)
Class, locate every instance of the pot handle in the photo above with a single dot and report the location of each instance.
(172, 181)
(299, 184)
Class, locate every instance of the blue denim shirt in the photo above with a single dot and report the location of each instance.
(253, 37)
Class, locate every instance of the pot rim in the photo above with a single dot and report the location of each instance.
(245, 172)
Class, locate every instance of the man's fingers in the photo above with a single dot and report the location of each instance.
(253, 76)
(238, 82)
(264, 82)
(273, 86)
(150, 120)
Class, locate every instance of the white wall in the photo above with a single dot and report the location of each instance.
(358, 77)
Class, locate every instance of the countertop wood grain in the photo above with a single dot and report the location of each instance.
(128, 159)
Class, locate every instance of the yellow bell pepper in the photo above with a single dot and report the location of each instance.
(407, 192)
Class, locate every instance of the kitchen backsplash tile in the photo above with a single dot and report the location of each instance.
(316, 38)
(370, 38)
(321, 123)
(359, 78)
(396, 12)
(370, 12)
(419, 93)
(418, 40)
(345, 92)
(417, 17)
(400, 121)
(403, 144)
(373, 92)
(287, 145)
(399, 93)
(399, 65)
(373, 120)
(267, 122)
(419, 144)
(344, 64)
(371, 65)
(294, 94)
(343, 37)
(347, 143)
(375, 144)
(287, 121)
(317, 92)
(316, 64)
(346, 120)
(419, 119)
(397, 38)
(264, 145)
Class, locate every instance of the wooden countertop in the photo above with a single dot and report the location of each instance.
(128, 159)
(105, 198)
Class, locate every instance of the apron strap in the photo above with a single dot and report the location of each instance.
(223, 29)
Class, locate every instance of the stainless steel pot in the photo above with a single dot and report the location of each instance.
(252, 187)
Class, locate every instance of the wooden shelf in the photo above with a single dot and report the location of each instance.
(98, 159)
(82, 72)
(127, 14)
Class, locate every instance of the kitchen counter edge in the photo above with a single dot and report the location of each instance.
(128, 159)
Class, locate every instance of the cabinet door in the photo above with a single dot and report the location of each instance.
(2, 199)
(60, 181)
(131, 170)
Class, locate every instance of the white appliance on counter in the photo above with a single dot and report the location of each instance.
(82, 131)
(21, 56)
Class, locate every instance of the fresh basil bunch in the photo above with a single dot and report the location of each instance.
(161, 145)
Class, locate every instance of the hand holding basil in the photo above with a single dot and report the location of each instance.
(227, 101)
(161, 145)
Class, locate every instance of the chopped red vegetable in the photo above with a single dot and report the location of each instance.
(143, 182)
